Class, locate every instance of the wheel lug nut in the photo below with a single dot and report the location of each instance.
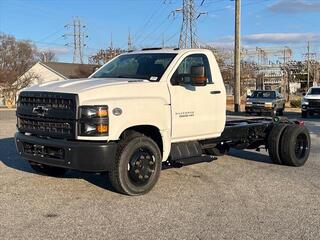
(146, 176)
(137, 171)
(137, 163)
(142, 157)
(148, 157)
(140, 176)
(151, 163)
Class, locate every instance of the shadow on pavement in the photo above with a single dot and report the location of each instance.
(10, 158)
(251, 156)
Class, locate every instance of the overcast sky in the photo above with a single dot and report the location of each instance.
(264, 23)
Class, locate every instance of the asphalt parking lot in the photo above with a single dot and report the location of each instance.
(239, 196)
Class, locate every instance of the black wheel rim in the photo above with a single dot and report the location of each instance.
(301, 146)
(141, 166)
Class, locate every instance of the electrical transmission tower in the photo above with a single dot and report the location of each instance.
(79, 37)
(188, 28)
(188, 32)
(129, 42)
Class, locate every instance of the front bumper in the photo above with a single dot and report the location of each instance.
(309, 109)
(258, 109)
(78, 155)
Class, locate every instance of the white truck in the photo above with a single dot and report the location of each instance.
(310, 103)
(139, 110)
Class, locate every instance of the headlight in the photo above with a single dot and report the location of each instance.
(93, 121)
(268, 104)
(305, 101)
(249, 103)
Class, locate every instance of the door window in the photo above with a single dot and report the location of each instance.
(184, 69)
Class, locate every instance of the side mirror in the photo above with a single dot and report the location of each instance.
(198, 77)
(303, 94)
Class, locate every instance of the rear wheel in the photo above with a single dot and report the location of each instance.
(295, 146)
(137, 165)
(48, 170)
(274, 141)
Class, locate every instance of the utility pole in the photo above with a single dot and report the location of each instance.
(162, 43)
(308, 73)
(309, 55)
(79, 36)
(111, 41)
(237, 57)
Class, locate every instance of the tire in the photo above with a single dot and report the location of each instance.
(304, 114)
(48, 170)
(295, 146)
(274, 141)
(129, 177)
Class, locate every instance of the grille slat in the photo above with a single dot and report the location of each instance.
(58, 120)
(30, 125)
(314, 103)
(46, 102)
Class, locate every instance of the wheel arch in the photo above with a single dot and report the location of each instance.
(161, 137)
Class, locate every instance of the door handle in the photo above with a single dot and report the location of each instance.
(215, 92)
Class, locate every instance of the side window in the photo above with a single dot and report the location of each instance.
(184, 69)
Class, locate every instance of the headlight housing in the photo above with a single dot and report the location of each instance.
(268, 104)
(305, 101)
(93, 121)
(248, 103)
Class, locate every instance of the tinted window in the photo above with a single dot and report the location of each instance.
(314, 91)
(148, 66)
(263, 94)
(185, 66)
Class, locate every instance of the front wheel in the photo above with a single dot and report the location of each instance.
(48, 170)
(137, 165)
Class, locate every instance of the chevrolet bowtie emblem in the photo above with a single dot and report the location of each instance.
(40, 110)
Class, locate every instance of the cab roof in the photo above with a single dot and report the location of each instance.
(168, 50)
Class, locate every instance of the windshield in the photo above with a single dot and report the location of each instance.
(314, 91)
(263, 94)
(150, 66)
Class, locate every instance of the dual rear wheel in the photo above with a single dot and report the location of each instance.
(289, 144)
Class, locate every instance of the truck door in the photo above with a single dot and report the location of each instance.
(194, 108)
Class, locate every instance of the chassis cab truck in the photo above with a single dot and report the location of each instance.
(141, 109)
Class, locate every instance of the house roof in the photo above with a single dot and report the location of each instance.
(70, 70)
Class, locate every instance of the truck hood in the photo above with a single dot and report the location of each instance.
(81, 85)
(312, 97)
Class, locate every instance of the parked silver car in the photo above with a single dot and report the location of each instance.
(265, 102)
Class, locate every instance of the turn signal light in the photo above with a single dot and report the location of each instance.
(102, 128)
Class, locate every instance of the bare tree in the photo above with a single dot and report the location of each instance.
(104, 55)
(46, 56)
(16, 57)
